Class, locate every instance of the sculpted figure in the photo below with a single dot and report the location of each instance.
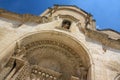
(66, 24)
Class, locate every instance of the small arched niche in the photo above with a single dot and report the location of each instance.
(66, 24)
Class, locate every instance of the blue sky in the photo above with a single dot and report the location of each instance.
(105, 12)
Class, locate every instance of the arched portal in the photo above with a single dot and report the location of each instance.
(49, 55)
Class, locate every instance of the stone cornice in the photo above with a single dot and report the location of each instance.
(69, 17)
(109, 30)
(103, 38)
(72, 10)
(73, 6)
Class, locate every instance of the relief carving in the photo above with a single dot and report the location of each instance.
(48, 60)
(19, 51)
(66, 24)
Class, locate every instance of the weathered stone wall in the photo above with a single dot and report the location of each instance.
(105, 63)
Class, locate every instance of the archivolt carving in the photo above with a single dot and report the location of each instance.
(48, 60)
(57, 46)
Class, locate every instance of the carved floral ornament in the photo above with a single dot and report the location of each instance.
(46, 59)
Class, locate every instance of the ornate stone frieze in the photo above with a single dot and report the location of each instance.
(24, 73)
(51, 55)
(42, 73)
(45, 42)
(54, 45)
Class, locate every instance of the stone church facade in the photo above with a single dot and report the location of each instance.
(60, 44)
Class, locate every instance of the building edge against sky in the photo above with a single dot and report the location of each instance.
(64, 34)
(106, 17)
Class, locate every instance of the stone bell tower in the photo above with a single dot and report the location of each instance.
(60, 44)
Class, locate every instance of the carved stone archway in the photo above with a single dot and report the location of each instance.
(49, 55)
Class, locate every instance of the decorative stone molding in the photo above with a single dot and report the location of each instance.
(19, 51)
(63, 8)
(43, 44)
(69, 17)
(44, 73)
(30, 66)
(24, 73)
(103, 38)
(7, 69)
(61, 28)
